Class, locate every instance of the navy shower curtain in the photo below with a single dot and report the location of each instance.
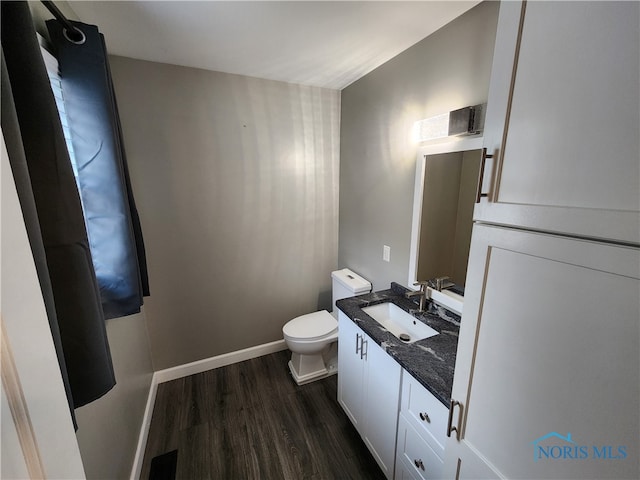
(115, 235)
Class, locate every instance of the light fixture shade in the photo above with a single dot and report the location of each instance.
(432, 128)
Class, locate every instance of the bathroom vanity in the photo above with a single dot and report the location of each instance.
(397, 393)
(368, 390)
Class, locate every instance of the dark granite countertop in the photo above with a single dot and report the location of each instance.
(432, 360)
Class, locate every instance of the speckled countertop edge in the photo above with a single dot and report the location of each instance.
(430, 361)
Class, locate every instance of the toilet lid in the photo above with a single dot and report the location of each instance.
(310, 326)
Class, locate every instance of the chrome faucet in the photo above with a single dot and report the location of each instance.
(422, 293)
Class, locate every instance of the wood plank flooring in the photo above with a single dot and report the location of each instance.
(251, 421)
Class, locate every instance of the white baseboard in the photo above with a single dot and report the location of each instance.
(205, 364)
(185, 370)
(136, 468)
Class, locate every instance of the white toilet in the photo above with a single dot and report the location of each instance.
(312, 338)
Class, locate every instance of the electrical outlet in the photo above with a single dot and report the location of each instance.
(386, 253)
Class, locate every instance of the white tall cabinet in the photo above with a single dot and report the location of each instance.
(547, 379)
(563, 119)
(549, 342)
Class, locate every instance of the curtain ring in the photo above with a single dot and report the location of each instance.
(75, 33)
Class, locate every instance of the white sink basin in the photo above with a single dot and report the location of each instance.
(399, 322)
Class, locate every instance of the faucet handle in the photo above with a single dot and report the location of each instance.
(423, 285)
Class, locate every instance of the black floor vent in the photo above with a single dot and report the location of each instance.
(163, 467)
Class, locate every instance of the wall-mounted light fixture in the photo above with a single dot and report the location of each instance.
(464, 121)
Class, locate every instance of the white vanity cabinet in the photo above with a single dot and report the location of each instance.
(369, 391)
(422, 428)
(562, 121)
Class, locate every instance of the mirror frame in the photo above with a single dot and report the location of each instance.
(445, 298)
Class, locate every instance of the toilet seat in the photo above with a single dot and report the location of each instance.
(312, 326)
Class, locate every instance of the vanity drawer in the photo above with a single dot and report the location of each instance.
(425, 412)
(415, 453)
(404, 471)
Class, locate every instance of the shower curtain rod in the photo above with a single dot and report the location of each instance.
(71, 32)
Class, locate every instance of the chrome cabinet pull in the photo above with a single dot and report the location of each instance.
(450, 428)
(425, 417)
(419, 464)
(479, 193)
(363, 351)
(360, 346)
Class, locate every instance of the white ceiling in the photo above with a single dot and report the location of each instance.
(326, 44)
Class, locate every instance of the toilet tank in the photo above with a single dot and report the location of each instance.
(347, 284)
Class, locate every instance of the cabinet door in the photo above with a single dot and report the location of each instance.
(382, 396)
(548, 360)
(563, 117)
(350, 370)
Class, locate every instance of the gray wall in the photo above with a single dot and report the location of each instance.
(236, 181)
(108, 428)
(449, 69)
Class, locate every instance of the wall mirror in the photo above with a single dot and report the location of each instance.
(444, 198)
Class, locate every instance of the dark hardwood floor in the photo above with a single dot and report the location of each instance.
(251, 421)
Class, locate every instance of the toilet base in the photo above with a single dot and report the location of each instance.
(308, 368)
(311, 377)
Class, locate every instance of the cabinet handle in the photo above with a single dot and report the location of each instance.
(454, 403)
(419, 464)
(425, 417)
(358, 341)
(363, 351)
(479, 193)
